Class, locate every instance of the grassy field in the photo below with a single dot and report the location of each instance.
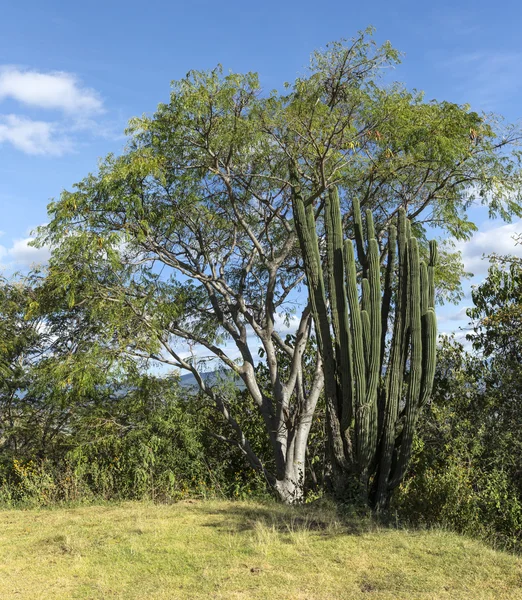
(238, 550)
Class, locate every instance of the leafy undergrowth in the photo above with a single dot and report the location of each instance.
(207, 549)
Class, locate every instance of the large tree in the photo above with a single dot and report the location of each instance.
(189, 236)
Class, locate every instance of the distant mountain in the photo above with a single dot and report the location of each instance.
(211, 378)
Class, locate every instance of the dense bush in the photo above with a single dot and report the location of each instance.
(466, 469)
(153, 441)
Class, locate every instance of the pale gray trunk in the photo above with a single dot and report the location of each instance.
(291, 482)
(290, 488)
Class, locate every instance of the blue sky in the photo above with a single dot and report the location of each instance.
(72, 74)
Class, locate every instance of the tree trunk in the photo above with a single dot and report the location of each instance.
(290, 488)
(290, 482)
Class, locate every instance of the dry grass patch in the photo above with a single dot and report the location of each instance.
(238, 550)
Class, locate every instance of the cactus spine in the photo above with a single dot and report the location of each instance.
(381, 376)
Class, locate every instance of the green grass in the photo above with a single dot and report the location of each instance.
(216, 549)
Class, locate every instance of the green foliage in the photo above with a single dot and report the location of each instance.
(79, 422)
(465, 471)
(153, 441)
(497, 311)
(456, 493)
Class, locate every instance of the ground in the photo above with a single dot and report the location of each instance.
(211, 549)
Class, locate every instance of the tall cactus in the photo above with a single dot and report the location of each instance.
(379, 342)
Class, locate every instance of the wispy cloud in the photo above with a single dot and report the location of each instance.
(456, 21)
(55, 90)
(457, 315)
(486, 78)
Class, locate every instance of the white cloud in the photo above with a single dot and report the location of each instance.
(498, 240)
(59, 91)
(55, 90)
(33, 137)
(22, 255)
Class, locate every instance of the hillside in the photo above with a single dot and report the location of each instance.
(187, 380)
(238, 550)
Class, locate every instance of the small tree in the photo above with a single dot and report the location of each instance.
(55, 358)
(466, 471)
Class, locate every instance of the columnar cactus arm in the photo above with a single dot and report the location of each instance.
(311, 258)
(370, 227)
(358, 355)
(367, 339)
(374, 361)
(431, 273)
(394, 373)
(365, 316)
(429, 352)
(429, 355)
(338, 304)
(365, 295)
(411, 409)
(359, 234)
(304, 220)
(429, 332)
(424, 287)
(388, 286)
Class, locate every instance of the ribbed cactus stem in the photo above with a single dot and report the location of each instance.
(358, 354)
(415, 323)
(370, 227)
(311, 258)
(429, 354)
(406, 290)
(374, 291)
(366, 309)
(434, 253)
(388, 286)
(408, 227)
(359, 233)
(431, 273)
(374, 362)
(424, 288)
(338, 303)
(394, 373)
(365, 320)
(365, 295)
(414, 385)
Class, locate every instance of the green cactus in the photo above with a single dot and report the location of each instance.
(380, 350)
